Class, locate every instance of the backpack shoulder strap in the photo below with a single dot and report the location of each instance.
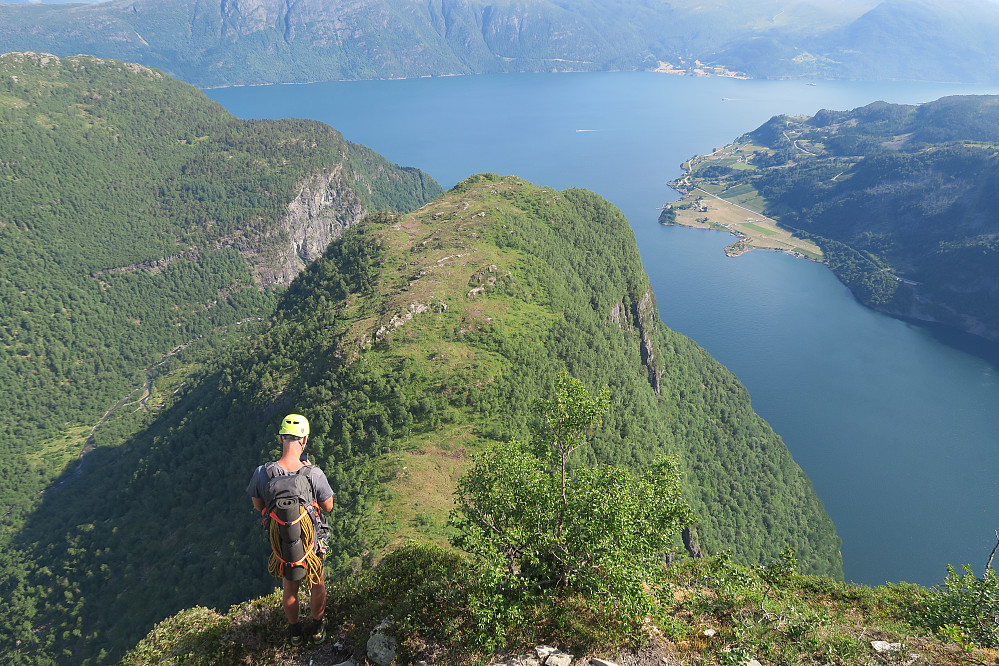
(313, 508)
(269, 469)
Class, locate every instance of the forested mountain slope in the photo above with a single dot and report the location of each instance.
(227, 42)
(414, 341)
(137, 216)
(903, 200)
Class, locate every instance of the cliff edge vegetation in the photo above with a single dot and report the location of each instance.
(430, 606)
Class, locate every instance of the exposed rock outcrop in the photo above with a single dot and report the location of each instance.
(646, 316)
(325, 207)
(382, 646)
(542, 655)
(642, 316)
(691, 542)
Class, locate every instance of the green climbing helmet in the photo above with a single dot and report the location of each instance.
(294, 424)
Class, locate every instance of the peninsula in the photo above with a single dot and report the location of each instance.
(712, 200)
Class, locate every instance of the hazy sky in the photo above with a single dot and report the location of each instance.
(817, 2)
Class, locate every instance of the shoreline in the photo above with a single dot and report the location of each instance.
(695, 73)
(731, 250)
(700, 209)
(703, 206)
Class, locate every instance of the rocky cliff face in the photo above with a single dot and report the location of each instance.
(646, 317)
(643, 317)
(941, 305)
(244, 17)
(325, 206)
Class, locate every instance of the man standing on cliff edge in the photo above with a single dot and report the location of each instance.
(294, 435)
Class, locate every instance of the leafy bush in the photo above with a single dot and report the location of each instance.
(536, 526)
(965, 608)
(429, 596)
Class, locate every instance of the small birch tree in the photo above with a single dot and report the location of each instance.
(602, 529)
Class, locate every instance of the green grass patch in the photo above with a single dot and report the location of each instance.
(12, 102)
(754, 202)
(739, 190)
(712, 188)
(758, 229)
(814, 256)
(56, 454)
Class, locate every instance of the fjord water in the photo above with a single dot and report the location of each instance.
(898, 430)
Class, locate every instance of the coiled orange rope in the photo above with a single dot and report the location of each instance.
(314, 565)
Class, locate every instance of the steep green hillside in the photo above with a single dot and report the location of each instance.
(412, 342)
(140, 223)
(902, 200)
(218, 42)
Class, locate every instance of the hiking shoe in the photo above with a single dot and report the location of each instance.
(318, 631)
(295, 637)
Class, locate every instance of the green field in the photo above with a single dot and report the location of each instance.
(757, 228)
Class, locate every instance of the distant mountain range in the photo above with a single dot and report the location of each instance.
(233, 42)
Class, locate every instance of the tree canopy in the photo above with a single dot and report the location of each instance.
(599, 530)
